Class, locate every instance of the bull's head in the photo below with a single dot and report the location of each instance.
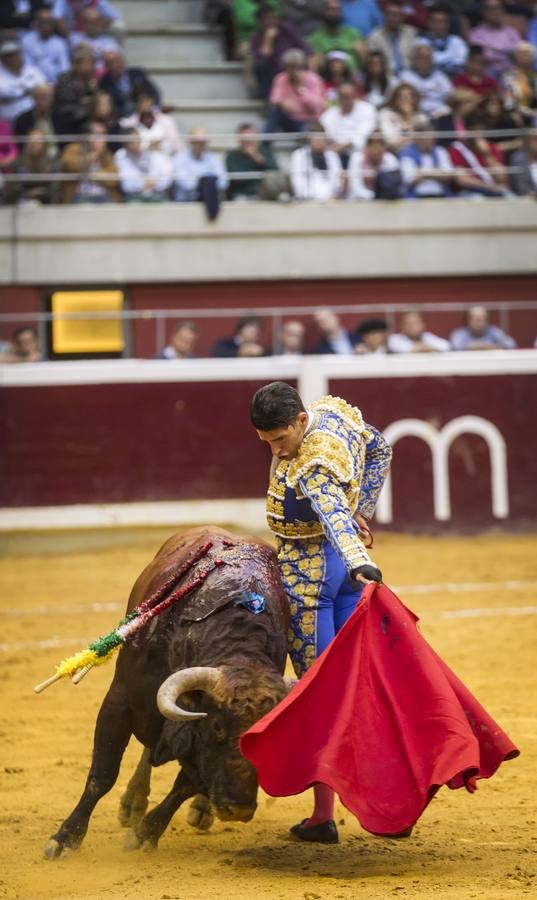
(234, 698)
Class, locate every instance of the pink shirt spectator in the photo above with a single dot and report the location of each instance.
(498, 45)
(305, 102)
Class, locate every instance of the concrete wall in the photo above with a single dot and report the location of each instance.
(171, 242)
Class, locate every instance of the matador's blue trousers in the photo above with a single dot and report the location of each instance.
(321, 597)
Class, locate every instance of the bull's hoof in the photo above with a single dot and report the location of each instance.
(200, 814)
(131, 841)
(55, 849)
(131, 811)
(150, 845)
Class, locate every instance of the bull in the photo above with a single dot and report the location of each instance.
(191, 681)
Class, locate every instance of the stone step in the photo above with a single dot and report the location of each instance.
(173, 45)
(218, 116)
(218, 81)
(147, 13)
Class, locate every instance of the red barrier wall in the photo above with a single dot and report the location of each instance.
(110, 443)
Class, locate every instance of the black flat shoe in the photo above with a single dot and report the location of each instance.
(323, 833)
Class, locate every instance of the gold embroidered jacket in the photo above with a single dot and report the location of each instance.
(339, 469)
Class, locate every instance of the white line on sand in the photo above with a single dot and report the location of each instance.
(404, 590)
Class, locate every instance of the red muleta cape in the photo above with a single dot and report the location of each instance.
(381, 719)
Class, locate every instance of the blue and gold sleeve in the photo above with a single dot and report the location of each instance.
(378, 455)
(331, 506)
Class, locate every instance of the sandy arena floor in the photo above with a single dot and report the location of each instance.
(481, 846)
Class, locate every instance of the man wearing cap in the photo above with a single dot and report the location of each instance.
(327, 471)
(17, 81)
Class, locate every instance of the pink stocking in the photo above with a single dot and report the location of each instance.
(324, 804)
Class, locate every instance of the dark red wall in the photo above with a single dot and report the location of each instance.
(258, 295)
(166, 441)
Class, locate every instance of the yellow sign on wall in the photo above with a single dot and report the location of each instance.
(94, 335)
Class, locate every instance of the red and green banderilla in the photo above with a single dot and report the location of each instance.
(101, 650)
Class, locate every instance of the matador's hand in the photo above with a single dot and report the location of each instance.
(366, 574)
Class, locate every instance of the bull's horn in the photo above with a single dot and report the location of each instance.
(290, 682)
(197, 678)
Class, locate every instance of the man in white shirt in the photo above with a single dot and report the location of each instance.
(44, 49)
(431, 84)
(348, 124)
(144, 175)
(373, 172)
(314, 170)
(413, 338)
(157, 129)
(17, 81)
(196, 162)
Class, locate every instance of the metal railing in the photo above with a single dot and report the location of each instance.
(274, 316)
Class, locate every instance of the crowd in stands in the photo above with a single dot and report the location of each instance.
(395, 98)
(371, 335)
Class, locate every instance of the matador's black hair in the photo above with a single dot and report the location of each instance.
(275, 405)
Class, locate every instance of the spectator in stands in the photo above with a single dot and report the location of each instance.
(497, 40)
(449, 50)
(398, 119)
(478, 334)
(460, 104)
(335, 338)
(193, 166)
(40, 116)
(44, 49)
(24, 347)
(35, 160)
(17, 81)
(144, 175)
(269, 45)
(125, 84)
(95, 177)
(363, 15)
(92, 34)
(520, 83)
(334, 35)
(252, 157)
(495, 117)
(524, 163)
(290, 340)
(473, 77)
(315, 171)
(479, 164)
(297, 96)
(413, 337)
(335, 70)
(304, 15)
(157, 129)
(431, 84)
(75, 94)
(426, 168)
(182, 344)
(348, 124)
(69, 14)
(373, 172)
(394, 39)
(377, 83)
(103, 111)
(15, 15)
(371, 337)
(245, 341)
(8, 147)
